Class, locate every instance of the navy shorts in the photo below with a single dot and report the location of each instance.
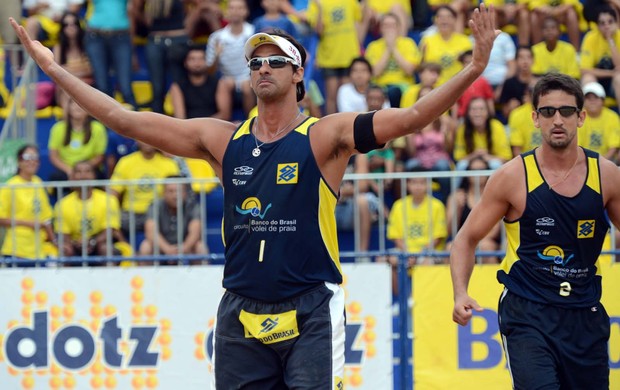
(550, 347)
(298, 343)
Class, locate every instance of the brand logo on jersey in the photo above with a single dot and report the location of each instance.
(556, 254)
(268, 325)
(545, 221)
(541, 232)
(287, 173)
(243, 170)
(585, 228)
(338, 383)
(253, 207)
(238, 182)
(268, 330)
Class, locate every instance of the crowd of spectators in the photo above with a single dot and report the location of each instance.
(365, 55)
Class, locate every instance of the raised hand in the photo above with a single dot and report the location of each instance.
(483, 29)
(41, 54)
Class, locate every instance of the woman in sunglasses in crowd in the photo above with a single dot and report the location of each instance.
(555, 201)
(25, 211)
(281, 321)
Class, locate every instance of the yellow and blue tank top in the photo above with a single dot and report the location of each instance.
(553, 248)
(279, 217)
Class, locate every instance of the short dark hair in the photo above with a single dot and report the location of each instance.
(606, 9)
(360, 60)
(557, 82)
(300, 87)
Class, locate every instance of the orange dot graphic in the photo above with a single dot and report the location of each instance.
(41, 298)
(94, 325)
(55, 324)
(354, 308)
(137, 382)
(55, 311)
(137, 282)
(199, 338)
(55, 382)
(68, 311)
(152, 382)
(26, 312)
(199, 354)
(12, 323)
(370, 321)
(137, 311)
(68, 297)
(151, 311)
(110, 382)
(165, 339)
(69, 382)
(96, 368)
(28, 382)
(109, 310)
(370, 336)
(166, 353)
(27, 283)
(96, 382)
(12, 371)
(137, 296)
(96, 311)
(165, 324)
(55, 369)
(27, 297)
(356, 380)
(371, 351)
(96, 297)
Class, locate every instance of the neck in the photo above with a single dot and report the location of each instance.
(551, 45)
(25, 176)
(77, 125)
(557, 159)
(197, 79)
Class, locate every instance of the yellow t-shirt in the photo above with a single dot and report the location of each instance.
(96, 214)
(522, 131)
(445, 52)
(200, 169)
(602, 133)
(338, 44)
(76, 150)
(422, 224)
(583, 24)
(134, 166)
(393, 74)
(594, 47)
(501, 148)
(384, 6)
(563, 59)
(28, 204)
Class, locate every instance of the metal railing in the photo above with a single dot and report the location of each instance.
(20, 122)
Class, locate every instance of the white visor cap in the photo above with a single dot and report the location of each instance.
(260, 39)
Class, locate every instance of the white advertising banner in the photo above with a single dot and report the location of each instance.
(147, 328)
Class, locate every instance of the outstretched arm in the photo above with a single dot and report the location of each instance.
(493, 205)
(182, 138)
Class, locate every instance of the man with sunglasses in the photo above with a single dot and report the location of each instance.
(281, 321)
(556, 201)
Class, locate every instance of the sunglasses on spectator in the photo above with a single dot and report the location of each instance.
(565, 111)
(30, 157)
(274, 62)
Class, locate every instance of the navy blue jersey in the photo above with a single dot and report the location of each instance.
(554, 247)
(279, 222)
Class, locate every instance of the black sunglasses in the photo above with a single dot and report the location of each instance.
(565, 111)
(274, 62)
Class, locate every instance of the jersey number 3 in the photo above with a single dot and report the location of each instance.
(565, 289)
